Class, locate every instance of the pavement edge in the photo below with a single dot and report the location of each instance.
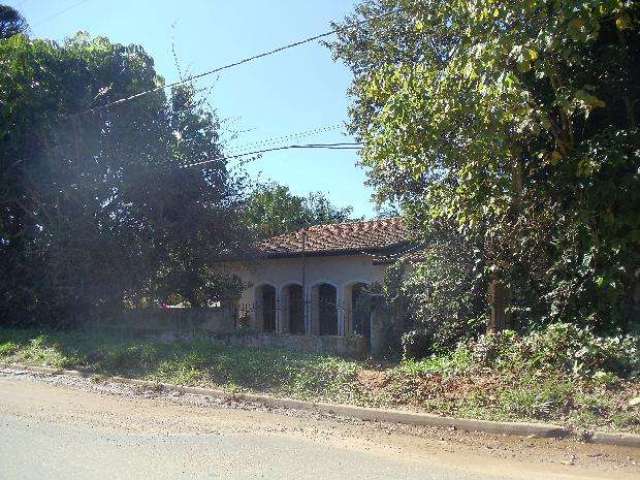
(522, 429)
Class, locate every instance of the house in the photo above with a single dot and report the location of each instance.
(310, 282)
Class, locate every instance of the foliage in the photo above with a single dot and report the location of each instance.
(518, 123)
(11, 22)
(94, 206)
(439, 298)
(559, 347)
(186, 362)
(502, 388)
(271, 209)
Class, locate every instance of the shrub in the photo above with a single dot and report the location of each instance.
(7, 349)
(440, 301)
(417, 343)
(560, 346)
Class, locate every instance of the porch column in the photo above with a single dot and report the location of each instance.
(313, 311)
(258, 321)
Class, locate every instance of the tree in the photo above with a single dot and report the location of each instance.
(200, 222)
(11, 22)
(96, 206)
(438, 301)
(518, 122)
(272, 209)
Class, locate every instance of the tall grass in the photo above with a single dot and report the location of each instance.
(453, 384)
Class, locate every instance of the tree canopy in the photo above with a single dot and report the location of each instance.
(517, 123)
(11, 22)
(96, 207)
(272, 209)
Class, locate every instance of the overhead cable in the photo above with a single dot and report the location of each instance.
(255, 153)
(258, 56)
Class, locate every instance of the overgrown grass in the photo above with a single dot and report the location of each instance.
(198, 362)
(454, 384)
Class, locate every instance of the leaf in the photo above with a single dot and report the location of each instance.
(591, 102)
(624, 22)
(555, 157)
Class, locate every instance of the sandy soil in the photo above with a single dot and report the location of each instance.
(34, 407)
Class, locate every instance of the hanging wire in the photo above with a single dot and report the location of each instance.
(257, 153)
(258, 56)
(57, 14)
(284, 138)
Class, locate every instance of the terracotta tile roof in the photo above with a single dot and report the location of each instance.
(369, 236)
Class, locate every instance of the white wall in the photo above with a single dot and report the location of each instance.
(339, 271)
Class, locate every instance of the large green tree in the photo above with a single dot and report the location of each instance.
(517, 122)
(272, 209)
(95, 206)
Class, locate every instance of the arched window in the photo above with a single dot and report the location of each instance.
(360, 309)
(266, 308)
(293, 309)
(325, 309)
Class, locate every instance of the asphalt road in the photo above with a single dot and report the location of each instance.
(57, 432)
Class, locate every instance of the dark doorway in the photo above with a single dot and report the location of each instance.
(361, 310)
(268, 308)
(327, 309)
(295, 309)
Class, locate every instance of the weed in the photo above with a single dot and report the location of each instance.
(498, 379)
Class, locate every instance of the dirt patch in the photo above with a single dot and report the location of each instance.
(193, 412)
(372, 380)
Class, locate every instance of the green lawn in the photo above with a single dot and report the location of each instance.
(447, 385)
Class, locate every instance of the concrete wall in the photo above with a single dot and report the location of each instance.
(221, 325)
(178, 321)
(219, 328)
(340, 271)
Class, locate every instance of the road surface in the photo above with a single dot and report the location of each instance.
(58, 431)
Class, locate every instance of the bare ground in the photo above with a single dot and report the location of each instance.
(113, 407)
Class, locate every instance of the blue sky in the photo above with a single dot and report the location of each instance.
(298, 90)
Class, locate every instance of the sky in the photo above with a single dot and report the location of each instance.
(298, 90)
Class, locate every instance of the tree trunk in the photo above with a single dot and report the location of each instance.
(635, 320)
(498, 297)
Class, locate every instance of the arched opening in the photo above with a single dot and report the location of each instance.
(266, 308)
(360, 310)
(325, 299)
(293, 311)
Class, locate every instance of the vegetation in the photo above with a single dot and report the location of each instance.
(515, 124)
(439, 300)
(562, 374)
(506, 131)
(271, 209)
(11, 22)
(95, 207)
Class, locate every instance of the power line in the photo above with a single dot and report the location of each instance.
(285, 138)
(256, 153)
(57, 14)
(258, 56)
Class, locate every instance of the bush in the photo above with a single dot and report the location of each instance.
(560, 346)
(7, 349)
(439, 301)
(417, 343)
(493, 350)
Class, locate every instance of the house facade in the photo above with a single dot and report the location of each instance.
(314, 281)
